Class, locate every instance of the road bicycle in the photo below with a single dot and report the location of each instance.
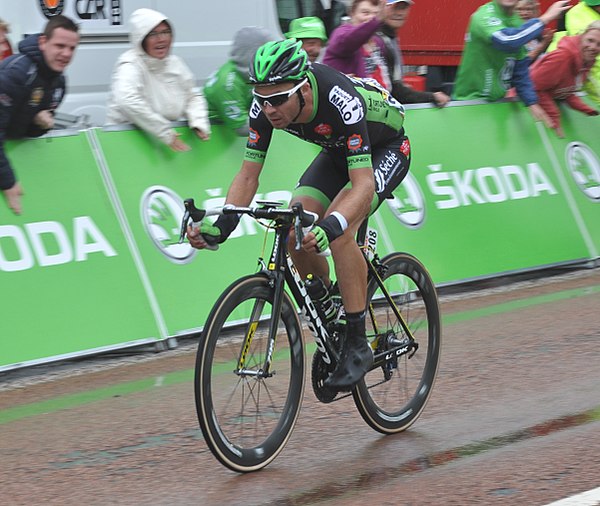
(250, 366)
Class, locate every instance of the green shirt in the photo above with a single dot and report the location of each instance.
(229, 96)
(485, 72)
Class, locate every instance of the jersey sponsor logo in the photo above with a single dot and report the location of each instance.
(359, 161)
(405, 148)
(161, 210)
(36, 96)
(253, 137)
(324, 129)
(255, 109)
(584, 165)
(386, 169)
(350, 108)
(355, 142)
(252, 155)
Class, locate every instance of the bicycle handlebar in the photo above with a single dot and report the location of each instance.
(295, 215)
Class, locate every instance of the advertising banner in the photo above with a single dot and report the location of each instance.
(93, 262)
(577, 158)
(151, 182)
(484, 194)
(68, 280)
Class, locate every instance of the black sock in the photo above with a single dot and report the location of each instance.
(355, 324)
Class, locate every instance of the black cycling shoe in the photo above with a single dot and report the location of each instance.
(356, 360)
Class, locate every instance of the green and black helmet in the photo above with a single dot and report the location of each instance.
(279, 61)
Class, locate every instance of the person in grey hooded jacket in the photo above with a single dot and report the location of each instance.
(151, 87)
(227, 90)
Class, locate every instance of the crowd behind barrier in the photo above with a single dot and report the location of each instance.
(92, 264)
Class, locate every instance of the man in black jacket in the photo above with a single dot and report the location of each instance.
(32, 86)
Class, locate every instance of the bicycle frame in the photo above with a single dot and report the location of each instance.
(281, 271)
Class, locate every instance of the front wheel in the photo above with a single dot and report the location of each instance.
(392, 395)
(247, 407)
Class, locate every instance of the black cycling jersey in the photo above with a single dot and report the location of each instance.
(350, 115)
(356, 122)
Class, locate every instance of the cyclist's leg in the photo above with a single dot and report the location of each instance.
(318, 186)
(350, 268)
(390, 166)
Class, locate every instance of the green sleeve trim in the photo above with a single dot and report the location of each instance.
(253, 155)
(360, 162)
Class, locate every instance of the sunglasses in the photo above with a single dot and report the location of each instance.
(277, 99)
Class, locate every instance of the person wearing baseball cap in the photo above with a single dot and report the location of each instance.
(311, 32)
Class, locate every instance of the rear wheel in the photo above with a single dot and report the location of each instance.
(246, 413)
(392, 395)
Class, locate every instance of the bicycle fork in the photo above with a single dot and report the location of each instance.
(256, 315)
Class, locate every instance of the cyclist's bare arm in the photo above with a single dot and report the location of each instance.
(244, 184)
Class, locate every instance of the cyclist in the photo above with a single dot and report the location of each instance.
(365, 155)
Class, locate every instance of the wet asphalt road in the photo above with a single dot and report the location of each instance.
(514, 419)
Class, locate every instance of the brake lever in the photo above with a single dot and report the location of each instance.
(184, 224)
(298, 229)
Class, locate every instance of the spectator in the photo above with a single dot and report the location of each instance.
(5, 47)
(311, 32)
(354, 49)
(576, 21)
(152, 87)
(227, 90)
(495, 59)
(32, 86)
(395, 15)
(530, 9)
(560, 73)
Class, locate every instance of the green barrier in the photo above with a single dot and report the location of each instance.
(68, 281)
(94, 257)
(577, 162)
(485, 194)
(150, 192)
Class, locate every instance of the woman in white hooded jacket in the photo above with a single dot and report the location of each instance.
(151, 87)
